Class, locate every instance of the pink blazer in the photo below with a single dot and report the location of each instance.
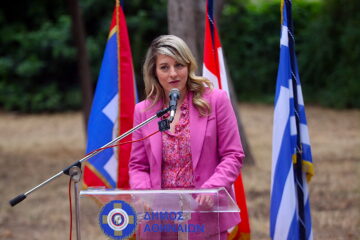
(216, 149)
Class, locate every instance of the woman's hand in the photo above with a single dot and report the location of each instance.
(141, 205)
(205, 201)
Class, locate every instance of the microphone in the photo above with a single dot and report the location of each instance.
(174, 96)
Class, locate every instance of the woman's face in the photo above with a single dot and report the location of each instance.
(171, 74)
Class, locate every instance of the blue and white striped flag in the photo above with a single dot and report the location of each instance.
(292, 166)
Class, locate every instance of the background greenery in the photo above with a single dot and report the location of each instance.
(38, 69)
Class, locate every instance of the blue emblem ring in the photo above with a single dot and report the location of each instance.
(117, 219)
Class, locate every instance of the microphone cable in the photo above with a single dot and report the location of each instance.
(122, 143)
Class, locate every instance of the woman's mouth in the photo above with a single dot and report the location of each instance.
(174, 82)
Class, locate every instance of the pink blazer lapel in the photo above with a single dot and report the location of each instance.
(155, 140)
(198, 126)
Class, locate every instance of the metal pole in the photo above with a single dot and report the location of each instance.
(298, 173)
(75, 174)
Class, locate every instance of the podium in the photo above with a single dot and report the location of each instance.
(153, 214)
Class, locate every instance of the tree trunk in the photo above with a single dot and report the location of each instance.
(82, 58)
(249, 158)
(186, 20)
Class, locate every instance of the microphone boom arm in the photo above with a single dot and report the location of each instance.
(66, 170)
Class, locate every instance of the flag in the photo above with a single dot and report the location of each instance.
(112, 110)
(213, 66)
(214, 70)
(292, 166)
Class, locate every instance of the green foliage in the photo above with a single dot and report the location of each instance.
(38, 68)
(327, 35)
(36, 59)
(251, 47)
(145, 20)
(330, 58)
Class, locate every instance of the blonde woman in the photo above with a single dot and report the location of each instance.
(202, 149)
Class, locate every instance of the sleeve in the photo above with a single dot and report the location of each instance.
(229, 150)
(139, 167)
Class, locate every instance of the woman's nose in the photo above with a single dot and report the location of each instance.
(173, 72)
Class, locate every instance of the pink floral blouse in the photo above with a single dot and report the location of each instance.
(177, 171)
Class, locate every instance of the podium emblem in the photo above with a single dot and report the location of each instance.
(117, 219)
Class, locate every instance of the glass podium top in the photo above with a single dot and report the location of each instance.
(167, 200)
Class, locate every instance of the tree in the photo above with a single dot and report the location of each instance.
(82, 58)
(185, 18)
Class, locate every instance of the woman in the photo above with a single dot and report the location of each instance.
(202, 149)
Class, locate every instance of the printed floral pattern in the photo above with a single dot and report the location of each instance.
(177, 171)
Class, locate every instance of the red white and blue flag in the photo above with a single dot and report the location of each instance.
(214, 70)
(112, 110)
(214, 66)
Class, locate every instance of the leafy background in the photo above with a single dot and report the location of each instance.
(38, 60)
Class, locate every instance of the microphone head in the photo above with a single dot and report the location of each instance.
(174, 93)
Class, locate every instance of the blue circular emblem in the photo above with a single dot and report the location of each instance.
(118, 220)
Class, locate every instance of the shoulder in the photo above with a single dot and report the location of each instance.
(145, 105)
(215, 95)
(220, 102)
(140, 108)
(142, 105)
(146, 108)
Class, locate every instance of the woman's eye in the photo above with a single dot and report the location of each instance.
(179, 65)
(164, 67)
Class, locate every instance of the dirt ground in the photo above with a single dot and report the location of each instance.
(35, 147)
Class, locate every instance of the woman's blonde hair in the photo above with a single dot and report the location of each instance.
(176, 48)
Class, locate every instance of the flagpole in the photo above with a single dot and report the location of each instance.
(298, 172)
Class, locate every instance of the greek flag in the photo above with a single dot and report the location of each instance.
(292, 166)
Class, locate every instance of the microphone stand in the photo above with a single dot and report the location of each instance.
(74, 170)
